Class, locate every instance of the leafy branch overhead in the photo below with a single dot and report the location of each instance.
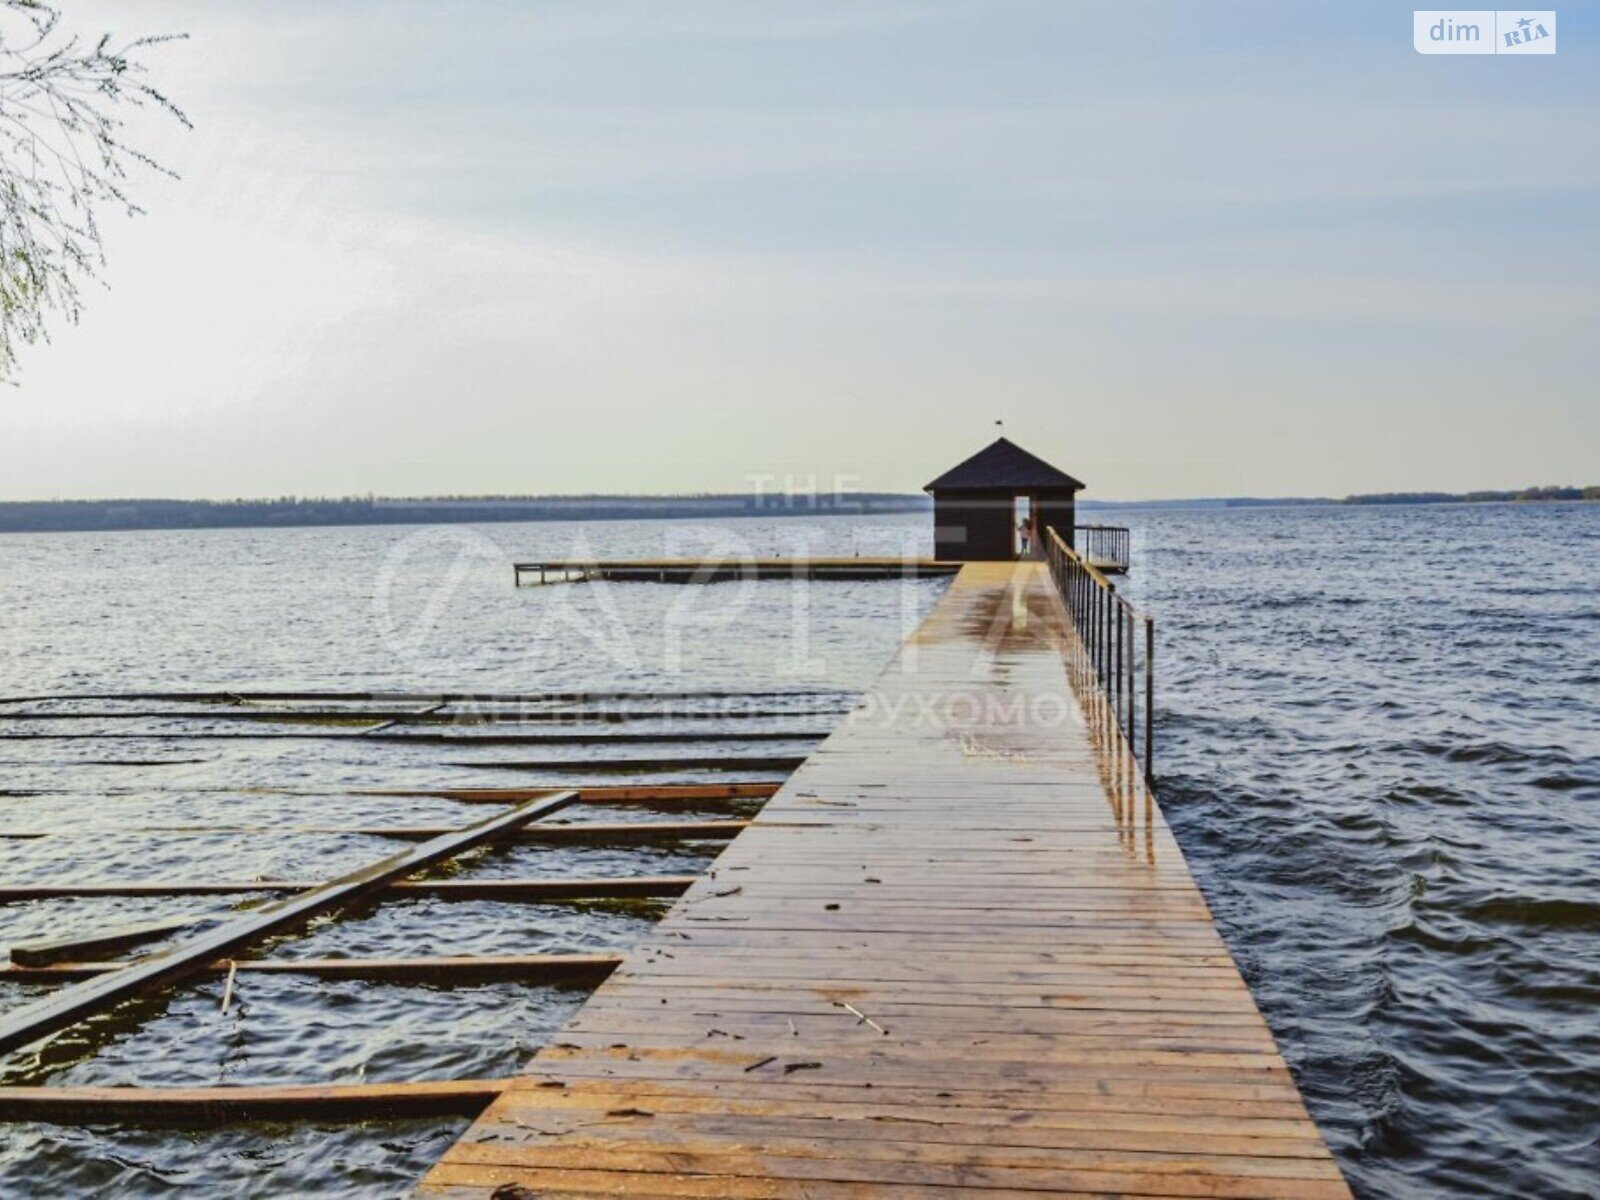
(64, 159)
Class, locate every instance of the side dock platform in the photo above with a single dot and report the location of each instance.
(725, 570)
(958, 953)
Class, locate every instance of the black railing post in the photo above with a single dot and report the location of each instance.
(1149, 700)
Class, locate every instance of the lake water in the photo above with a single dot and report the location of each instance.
(1379, 746)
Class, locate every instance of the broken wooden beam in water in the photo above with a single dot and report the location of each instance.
(117, 937)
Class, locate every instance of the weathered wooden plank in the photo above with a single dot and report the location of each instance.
(217, 1105)
(428, 716)
(576, 888)
(357, 697)
(117, 937)
(620, 833)
(527, 968)
(609, 766)
(368, 736)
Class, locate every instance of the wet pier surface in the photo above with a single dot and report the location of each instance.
(959, 951)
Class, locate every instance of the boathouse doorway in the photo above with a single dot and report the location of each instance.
(1026, 544)
(983, 506)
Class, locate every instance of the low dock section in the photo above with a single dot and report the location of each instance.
(727, 570)
(958, 953)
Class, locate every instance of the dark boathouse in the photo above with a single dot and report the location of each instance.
(998, 504)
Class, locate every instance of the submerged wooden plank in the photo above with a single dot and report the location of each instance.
(584, 833)
(77, 1001)
(527, 968)
(216, 1105)
(469, 716)
(430, 738)
(958, 952)
(612, 766)
(357, 697)
(663, 796)
(575, 888)
(117, 937)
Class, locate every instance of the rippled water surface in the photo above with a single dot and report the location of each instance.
(1381, 752)
(1380, 748)
(130, 790)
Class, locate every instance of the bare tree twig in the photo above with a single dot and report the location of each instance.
(64, 157)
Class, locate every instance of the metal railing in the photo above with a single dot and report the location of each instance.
(1115, 663)
(1106, 546)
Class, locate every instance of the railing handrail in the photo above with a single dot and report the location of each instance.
(1110, 546)
(1054, 540)
(1109, 663)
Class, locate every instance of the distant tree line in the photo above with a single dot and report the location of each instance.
(78, 516)
(1548, 492)
(64, 516)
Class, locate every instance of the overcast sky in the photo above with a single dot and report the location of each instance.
(1182, 249)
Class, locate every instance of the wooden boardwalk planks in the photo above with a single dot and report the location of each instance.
(957, 953)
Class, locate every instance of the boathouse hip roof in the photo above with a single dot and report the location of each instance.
(1003, 466)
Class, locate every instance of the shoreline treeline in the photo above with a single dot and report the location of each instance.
(90, 516)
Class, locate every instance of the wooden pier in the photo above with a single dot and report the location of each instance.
(958, 952)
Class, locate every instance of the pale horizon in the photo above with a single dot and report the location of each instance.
(1184, 252)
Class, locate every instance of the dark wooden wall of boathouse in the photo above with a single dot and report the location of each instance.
(981, 527)
(974, 504)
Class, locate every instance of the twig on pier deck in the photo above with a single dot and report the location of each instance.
(862, 1017)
